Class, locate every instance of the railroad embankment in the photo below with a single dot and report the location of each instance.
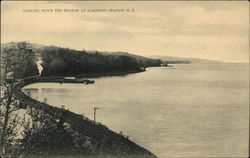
(109, 142)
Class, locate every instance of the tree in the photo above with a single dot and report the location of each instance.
(48, 134)
(17, 61)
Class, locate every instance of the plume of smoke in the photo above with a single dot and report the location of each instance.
(39, 66)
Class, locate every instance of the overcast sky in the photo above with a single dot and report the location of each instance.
(210, 30)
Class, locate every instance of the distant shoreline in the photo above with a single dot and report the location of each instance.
(110, 74)
(89, 75)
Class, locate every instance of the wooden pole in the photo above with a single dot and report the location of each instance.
(95, 108)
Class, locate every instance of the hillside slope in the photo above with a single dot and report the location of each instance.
(180, 60)
(57, 61)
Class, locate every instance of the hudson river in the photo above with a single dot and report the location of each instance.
(181, 111)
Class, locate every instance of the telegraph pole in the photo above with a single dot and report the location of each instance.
(45, 100)
(95, 108)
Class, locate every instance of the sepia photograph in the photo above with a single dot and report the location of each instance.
(124, 79)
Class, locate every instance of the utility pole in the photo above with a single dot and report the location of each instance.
(45, 100)
(95, 108)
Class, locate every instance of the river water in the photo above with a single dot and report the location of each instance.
(181, 111)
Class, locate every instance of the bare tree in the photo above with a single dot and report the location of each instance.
(15, 61)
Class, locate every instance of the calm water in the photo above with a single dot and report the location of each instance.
(187, 110)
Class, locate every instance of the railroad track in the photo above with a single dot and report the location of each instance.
(95, 131)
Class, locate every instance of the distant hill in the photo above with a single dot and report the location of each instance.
(57, 61)
(180, 60)
(143, 61)
(148, 61)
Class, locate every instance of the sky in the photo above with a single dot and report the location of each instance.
(217, 30)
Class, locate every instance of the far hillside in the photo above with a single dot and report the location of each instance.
(57, 61)
(180, 60)
(70, 62)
